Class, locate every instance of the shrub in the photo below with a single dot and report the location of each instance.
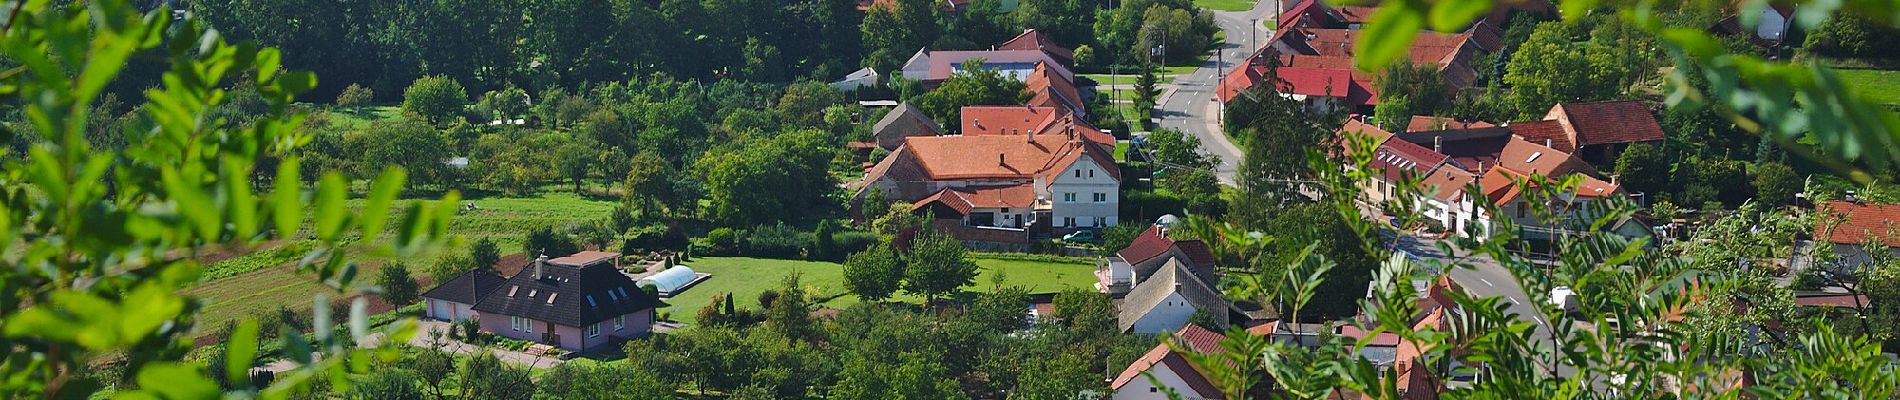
(854, 241)
(775, 241)
(722, 240)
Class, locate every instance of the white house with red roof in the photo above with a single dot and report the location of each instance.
(1003, 183)
(1146, 255)
(1171, 368)
(1499, 159)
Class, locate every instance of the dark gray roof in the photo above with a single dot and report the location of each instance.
(467, 287)
(567, 295)
(902, 122)
(1172, 277)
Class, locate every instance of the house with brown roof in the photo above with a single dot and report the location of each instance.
(1169, 366)
(1032, 39)
(1598, 132)
(1146, 255)
(1169, 299)
(578, 303)
(932, 67)
(1003, 183)
(454, 300)
(901, 122)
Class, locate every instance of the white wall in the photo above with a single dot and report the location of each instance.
(1094, 178)
(1141, 389)
(1170, 315)
(449, 311)
(1017, 217)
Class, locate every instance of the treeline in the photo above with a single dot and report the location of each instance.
(987, 349)
(540, 44)
(756, 153)
(1100, 35)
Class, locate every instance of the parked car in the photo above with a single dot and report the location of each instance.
(1079, 237)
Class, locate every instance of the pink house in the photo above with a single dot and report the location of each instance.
(577, 303)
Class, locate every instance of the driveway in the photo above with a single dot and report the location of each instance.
(1188, 105)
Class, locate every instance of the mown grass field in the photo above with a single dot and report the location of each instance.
(1225, 5)
(265, 278)
(746, 277)
(1879, 86)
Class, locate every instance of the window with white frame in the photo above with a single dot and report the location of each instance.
(1068, 221)
(1068, 197)
(1100, 221)
(620, 323)
(1101, 197)
(593, 330)
(514, 324)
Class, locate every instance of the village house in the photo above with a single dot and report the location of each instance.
(1146, 255)
(1853, 231)
(932, 67)
(902, 122)
(999, 188)
(1170, 298)
(454, 300)
(1450, 157)
(1170, 366)
(577, 303)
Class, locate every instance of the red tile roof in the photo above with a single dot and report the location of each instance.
(1354, 125)
(1422, 123)
(1545, 131)
(1052, 90)
(1192, 338)
(1382, 339)
(994, 157)
(1032, 39)
(1835, 300)
(1150, 244)
(1399, 157)
(1853, 223)
(1609, 122)
(1028, 120)
(1006, 120)
(1448, 183)
(964, 199)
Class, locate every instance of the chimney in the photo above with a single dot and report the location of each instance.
(1547, 142)
(1032, 135)
(1002, 159)
(539, 264)
(1438, 144)
(978, 122)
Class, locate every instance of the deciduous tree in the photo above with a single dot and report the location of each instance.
(937, 265)
(875, 273)
(437, 99)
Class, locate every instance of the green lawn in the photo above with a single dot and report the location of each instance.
(1878, 86)
(1124, 94)
(265, 279)
(349, 118)
(1225, 5)
(746, 277)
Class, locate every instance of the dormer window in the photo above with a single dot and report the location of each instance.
(1534, 156)
(611, 295)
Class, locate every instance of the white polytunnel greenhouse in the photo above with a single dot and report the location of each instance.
(671, 281)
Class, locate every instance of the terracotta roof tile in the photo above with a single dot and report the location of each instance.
(1448, 183)
(1001, 157)
(1150, 244)
(1399, 157)
(1855, 222)
(964, 199)
(1610, 122)
(1422, 123)
(1006, 120)
(1541, 131)
(1032, 39)
(1192, 337)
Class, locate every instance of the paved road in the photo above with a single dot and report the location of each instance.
(1189, 104)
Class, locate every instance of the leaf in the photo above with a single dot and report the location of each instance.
(239, 201)
(240, 350)
(1387, 36)
(176, 381)
(286, 199)
(376, 209)
(1453, 15)
(329, 206)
